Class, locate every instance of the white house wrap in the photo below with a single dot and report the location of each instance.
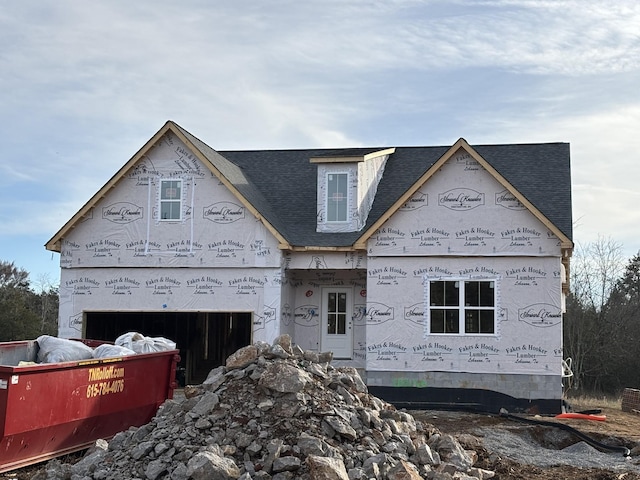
(439, 272)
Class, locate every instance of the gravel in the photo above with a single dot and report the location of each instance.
(518, 443)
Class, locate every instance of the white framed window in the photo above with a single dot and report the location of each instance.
(170, 199)
(337, 197)
(462, 306)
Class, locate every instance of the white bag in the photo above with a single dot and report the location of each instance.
(107, 350)
(54, 349)
(127, 339)
(141, 344)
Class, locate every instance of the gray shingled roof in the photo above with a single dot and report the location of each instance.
(281, 184)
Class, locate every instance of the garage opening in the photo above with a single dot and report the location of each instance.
(205, 339)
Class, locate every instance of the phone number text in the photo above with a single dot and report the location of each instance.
(105, 388)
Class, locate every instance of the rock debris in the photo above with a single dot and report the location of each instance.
(276, 412)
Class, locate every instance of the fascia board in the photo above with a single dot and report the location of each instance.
(54, 244)
(227, 183)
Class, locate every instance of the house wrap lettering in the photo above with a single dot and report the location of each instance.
(121, 285)
(122, 280)
(419, 200)
(269, 314)
(415, 313)
(432, 352)
(187, 163)
(463, 158)
(122, 212)
(75, 322)
(540, 315)
(223, 212)
(461, 199)
(306, 315)
(508, 200)
(379, 313)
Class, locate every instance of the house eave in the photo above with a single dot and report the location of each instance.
(352, 158)
(316, 248)
(55, 243)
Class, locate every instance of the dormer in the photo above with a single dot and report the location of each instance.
(347, 184)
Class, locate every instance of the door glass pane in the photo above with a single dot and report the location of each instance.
(342, 324)
(342, 302)
(336, 313)
(331, 324)
(332, 302)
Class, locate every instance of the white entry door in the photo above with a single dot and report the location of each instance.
(337, 322)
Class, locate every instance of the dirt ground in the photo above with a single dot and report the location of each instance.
(620, 428)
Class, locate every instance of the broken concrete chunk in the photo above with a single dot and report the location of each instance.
(277, 417)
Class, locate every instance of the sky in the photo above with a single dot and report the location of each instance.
(84, 85)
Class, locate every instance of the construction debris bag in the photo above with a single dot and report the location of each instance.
(142, 344)
(54, 349)
(107, 350)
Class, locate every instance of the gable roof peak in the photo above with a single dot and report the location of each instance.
(537, 173)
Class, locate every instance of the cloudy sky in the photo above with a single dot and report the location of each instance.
(83, 85)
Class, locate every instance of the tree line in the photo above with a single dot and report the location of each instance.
(602, 320)
(24, 313)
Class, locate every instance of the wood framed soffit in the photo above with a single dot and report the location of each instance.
(352, 158)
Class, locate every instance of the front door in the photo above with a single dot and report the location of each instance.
(336, 325)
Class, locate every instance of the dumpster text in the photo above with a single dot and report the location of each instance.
(107, 380)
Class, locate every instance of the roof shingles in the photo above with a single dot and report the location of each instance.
(282, 184)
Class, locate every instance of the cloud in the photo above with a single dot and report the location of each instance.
(85, 85)
(605, 167)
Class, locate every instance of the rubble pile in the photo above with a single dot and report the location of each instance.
(277, 412)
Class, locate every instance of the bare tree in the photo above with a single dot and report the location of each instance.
(588, 333)
(47, 292)
(596, 269)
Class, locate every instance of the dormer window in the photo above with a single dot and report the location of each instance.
(170, 199)
(347, 184)
(337, 197)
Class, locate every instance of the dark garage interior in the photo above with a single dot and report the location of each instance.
(205, 339)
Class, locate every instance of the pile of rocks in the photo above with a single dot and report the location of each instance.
(277, 412)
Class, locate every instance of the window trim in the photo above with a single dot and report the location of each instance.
(461, 307)
(162, 201)
(348, 197)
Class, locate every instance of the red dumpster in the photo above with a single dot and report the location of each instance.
(51, 409)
